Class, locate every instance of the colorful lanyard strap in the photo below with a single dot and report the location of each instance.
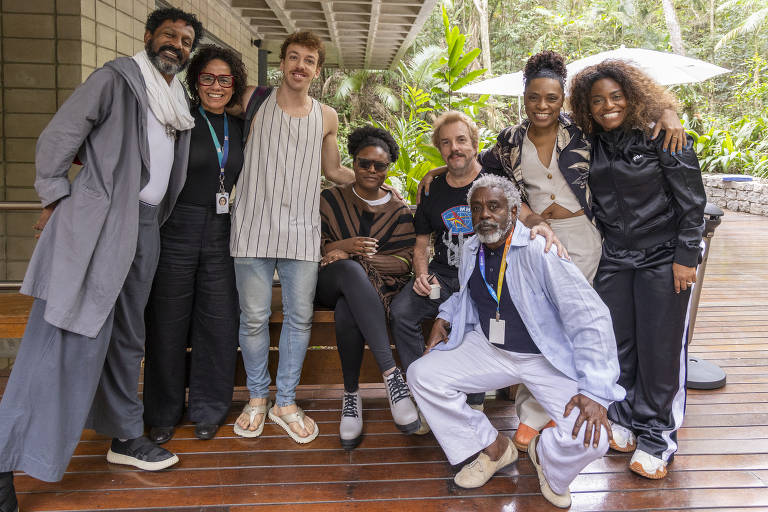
(222, 153)
(496, 294)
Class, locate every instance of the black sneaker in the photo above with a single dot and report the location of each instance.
(141, 453)
(8, 501)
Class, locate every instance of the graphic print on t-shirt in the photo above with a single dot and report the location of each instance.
(458, 223)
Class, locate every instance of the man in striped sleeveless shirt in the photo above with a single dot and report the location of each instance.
(276, 226)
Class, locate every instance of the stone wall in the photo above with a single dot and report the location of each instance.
(738, 196)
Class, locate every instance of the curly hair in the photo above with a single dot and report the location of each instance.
(506, 186)
(371, 136)
(546, 64)
(206, 54)
(646, 99)
(158, 16)
(306, 39)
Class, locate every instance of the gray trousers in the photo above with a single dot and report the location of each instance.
(63, 382)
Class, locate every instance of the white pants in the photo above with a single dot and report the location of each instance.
(441, 379)
(585, 246)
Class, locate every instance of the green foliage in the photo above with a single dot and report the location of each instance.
(430, 80)
(728, 112)
(729, 33)
(739, 148)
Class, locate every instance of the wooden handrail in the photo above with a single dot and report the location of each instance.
(20, 205)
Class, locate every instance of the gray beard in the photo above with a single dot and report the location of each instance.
(162, 65)
(496, 235)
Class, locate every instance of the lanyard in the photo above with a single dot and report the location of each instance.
(221, 153)
(495, 294)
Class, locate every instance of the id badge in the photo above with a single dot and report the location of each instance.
(496, 332)
(222, 202)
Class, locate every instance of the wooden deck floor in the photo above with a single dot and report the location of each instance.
(722, 463)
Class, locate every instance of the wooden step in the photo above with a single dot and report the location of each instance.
(321, 365)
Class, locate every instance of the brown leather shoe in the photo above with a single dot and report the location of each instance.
(523, 437)
(525, 433)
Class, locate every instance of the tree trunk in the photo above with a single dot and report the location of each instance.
(712, 27)
(485, 39)
(675, 38)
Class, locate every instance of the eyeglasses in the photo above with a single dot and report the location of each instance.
(225, 81)
(365, 163)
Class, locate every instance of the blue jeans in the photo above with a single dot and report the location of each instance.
(298, 280)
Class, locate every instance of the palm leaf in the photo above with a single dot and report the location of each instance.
(748, 26)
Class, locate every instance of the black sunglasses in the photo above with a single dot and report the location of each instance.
(365, 163)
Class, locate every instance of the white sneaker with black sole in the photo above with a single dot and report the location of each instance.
(404, 411)
(141, 453)
(351, 424)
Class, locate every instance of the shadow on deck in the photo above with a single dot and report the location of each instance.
(722, 462)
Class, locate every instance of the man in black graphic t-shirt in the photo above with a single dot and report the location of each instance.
(445, 216)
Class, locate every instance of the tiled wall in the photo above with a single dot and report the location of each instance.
(48, 47)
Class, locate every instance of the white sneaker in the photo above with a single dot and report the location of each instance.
(404, 411)
(623, 439)
(645, 464)
(351, 424)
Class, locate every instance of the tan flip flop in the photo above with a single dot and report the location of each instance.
(294, 417)
(252, 411)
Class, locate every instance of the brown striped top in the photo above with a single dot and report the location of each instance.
(344, 215)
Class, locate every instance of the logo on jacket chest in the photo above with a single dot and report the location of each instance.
(458, 220)
(637, 158)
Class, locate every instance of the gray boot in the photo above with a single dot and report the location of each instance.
(351, 425)
(403, 409)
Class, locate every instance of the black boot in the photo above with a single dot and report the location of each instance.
(8, 501)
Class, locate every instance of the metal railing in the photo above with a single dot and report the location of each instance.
(16, 206)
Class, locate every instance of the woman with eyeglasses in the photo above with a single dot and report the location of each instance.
(194, 300)
(367, 246)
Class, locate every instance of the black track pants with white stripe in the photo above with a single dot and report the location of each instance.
(650, 322)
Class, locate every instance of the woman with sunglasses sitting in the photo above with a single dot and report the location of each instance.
(367, 246)
(194, 301)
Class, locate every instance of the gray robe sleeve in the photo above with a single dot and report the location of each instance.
(61, 139)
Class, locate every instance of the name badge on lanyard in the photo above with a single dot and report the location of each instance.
(496, 327)
(222, 154)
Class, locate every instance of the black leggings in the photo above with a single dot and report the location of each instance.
(359, 316)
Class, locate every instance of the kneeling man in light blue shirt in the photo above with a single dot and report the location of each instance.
(520, 316)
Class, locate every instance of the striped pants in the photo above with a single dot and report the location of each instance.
(650, 322)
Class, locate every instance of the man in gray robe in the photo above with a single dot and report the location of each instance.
(79, 362)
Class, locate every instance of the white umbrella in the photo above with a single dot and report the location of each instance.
(510, 84)
(665, 68)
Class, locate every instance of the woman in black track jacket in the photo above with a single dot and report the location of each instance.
(649, 206)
